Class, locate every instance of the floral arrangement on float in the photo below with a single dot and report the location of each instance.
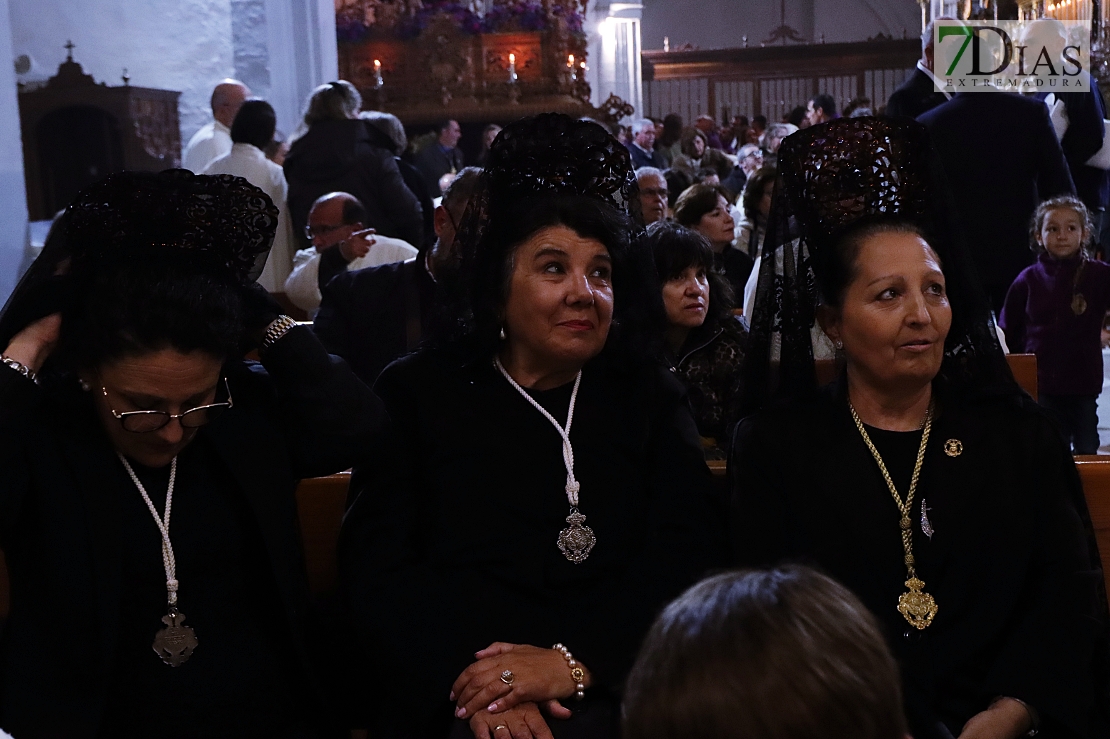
(356, 20)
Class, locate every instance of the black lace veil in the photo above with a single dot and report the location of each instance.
(832, 178)
(219, 222)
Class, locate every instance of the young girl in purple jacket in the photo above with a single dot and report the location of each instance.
(1055, 309)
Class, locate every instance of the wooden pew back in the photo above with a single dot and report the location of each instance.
(321, 502)
(1095, 473)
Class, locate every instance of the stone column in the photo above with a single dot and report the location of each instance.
(284, 49)
(13, 195)
(613, 53)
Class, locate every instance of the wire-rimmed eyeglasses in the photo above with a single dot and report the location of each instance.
(145, 422)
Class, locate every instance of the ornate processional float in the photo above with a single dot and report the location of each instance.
(471, 60)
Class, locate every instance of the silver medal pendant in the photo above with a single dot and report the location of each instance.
(175, 643)
(576, 540)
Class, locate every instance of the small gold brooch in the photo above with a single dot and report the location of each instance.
(953, 447)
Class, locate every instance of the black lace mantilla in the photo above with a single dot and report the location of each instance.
(218, 216)
(833, 177)
(551, 154)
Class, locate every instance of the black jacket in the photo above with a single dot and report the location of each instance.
(916, 96)
(302, 414)
(375, 315)
(1021, 606)
(1084, 137)
(434, 162)
(710, 363)
(339, 156)
(1001, 158)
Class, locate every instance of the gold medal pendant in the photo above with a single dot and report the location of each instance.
(176, 641)
(576, 540)
(1078, 304)
(917, 606)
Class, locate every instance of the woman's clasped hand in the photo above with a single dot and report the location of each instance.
(506, 675)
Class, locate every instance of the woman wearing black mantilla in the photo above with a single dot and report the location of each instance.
(543, 482)
(924, 479)
(147, 508)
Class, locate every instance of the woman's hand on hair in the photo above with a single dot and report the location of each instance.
(522, 722)
(33, 344)
(259, 311)
(539, 676)
(1005, 719)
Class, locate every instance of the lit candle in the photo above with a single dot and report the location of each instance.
(512, 68)
(570, 60)
(570, 66)
(378, 82)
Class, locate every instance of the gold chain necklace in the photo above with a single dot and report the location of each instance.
(915, 605)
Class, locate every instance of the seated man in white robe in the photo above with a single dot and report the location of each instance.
(340, 242)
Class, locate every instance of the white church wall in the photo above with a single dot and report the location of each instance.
(183, 45)
(13, 199)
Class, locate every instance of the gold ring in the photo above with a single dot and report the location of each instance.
(507, 677)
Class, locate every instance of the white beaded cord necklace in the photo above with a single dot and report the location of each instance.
(575, 541)
(175, 642)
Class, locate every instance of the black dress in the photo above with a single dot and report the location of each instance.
(451, 543)
(1008, 562)
(84, 555)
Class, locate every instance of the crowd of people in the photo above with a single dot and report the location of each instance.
(526, 364)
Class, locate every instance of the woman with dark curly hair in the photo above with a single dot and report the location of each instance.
(705, 209)
(704, 341)
(124, 398)
(460, 560)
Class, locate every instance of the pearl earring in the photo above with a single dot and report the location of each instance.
(503, 337)
(839, 344)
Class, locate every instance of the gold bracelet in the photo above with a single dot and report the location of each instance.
(277, 328)
(577, 674)
(21, 368)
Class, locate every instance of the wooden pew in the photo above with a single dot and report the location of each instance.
(321, 502)
(1094, 470)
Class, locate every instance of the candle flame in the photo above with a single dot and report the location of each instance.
(377, 64)
(512, 58)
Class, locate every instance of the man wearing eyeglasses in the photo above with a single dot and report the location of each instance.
(340, 242)
(653, 194)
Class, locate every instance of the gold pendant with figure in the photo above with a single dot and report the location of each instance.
(917, 606)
